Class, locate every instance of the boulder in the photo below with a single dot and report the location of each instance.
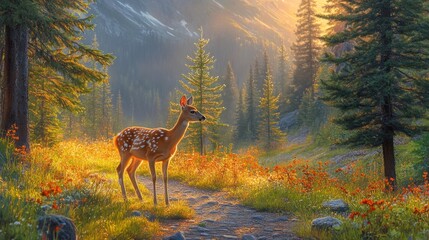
(248, 237)
(325, 223)
(176, 236)
(136, 213)
(338, 206)
(56, 227)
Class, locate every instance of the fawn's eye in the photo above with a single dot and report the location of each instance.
(192, 111)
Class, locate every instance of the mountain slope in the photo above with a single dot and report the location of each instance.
(151, 40)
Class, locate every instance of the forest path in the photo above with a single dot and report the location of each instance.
(217, 216)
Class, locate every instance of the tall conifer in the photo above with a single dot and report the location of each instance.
(269, 133)
(229, 95)
(382, 89)
(206, 91)
(306, 51)
(251, 107)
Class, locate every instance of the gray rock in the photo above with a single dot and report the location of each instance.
(176, 236)
(204, 197)
(248, 237)
(258, 217)
(136, 213)
(325, 223)
(201, 229)
(56, 227)
(280, 219)
(45, 208)
(229, 237)
(210, 204)
(337, 205)
(209, 220)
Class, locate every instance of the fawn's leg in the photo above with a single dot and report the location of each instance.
(132, 174)
(153, 173)
(125, 160)
(165, 176)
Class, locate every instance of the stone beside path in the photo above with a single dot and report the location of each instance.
(220, 217)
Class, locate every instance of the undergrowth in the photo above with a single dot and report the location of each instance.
(78, 180)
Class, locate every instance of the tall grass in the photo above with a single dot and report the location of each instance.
(78, 180)
(301, 186)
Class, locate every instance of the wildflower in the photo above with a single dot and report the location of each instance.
(353, 215)
(46, 193)
(55, 206)
(367, 202)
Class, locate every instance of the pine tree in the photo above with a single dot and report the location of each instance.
(229, 95)
(174, 108)
(106, 125)
(282, 79)
(306, 51)
(45, 97)
(55, 29)
(382, 89)
(263, 72)
(118, 115)
(251, 107)
(269, 133)
(207, 96)
(16, 67)
(258, 79)
(240, 130)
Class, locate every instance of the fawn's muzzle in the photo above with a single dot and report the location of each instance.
(202, 118)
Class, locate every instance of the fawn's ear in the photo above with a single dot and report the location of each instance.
(183, 101)
(190, 100)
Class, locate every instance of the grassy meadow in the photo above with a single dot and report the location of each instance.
(78, 179)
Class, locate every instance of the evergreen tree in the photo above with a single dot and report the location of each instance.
(45, 97)
(269, 133)
(106, 125)
(258, 79)
(251, 107)
(174, 108)
(382, 90)
(240, 131)
(263, 72)
(282, 79)
(207, 95)
(16, 67)
(54, 28)
(306, 51)
(229, 95)
(118, 115)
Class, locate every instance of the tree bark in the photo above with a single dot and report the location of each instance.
(15, 85)
(389, 161)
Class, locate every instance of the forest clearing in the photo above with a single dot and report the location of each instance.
(215, 119)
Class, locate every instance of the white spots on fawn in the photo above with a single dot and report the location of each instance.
(166, 138)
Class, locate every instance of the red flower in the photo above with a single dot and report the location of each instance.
(55, 206)
(46, 193)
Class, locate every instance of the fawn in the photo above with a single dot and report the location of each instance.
(136, 144)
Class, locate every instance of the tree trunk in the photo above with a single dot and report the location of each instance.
(15, 85)
(389, 161)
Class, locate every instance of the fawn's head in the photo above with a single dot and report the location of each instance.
(189, 112)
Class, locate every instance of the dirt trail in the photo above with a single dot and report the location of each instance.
(220, 217)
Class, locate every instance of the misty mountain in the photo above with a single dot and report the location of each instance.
(152, 38)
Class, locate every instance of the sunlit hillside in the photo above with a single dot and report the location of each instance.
(159, 36)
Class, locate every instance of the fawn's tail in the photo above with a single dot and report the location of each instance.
(115, 141)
